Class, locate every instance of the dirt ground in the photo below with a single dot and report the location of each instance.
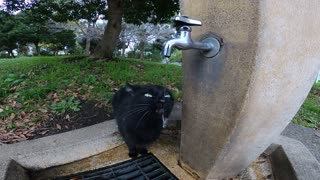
(91, 113)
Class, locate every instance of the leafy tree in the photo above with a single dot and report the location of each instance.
(132, 11)
(30, 29)
(8, 36)
(76, 10)
(17, 31)
(136, 12)
(21, 29)
(63, 11)
(61, 40)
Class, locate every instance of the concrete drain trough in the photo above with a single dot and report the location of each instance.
(100, 145)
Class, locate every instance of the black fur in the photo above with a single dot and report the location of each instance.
(139, 111)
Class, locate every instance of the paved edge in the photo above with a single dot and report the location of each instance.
(298, 161)
(61, 148)
(308, 136)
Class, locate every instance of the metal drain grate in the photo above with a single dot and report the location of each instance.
(141, 168)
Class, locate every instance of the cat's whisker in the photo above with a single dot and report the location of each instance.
(134, 111)
(125, 116)
(138, 107)
(142, 118)
(134, 106)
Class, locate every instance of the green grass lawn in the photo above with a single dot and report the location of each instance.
(309, 113)
(33, 88)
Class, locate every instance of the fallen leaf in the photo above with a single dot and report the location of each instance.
(19, 123)
(83, 98)
(43, 110)
(22, 136)
(12, 116)
(29, 135)
(26, 120)
(50, 94)
(13, 88)
(31, 123)
(18, 105)
(23, 114)
(58, 126)
(44, 132)
(55, 95)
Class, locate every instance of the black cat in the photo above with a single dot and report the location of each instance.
(141, 112)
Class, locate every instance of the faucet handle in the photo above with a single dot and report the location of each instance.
(185, 21)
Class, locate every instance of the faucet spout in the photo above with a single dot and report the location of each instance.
(168, 45)
(183, 41)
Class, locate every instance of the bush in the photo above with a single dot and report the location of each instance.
(4, 54)
(176, 56)
(133, 54)
(154, 55)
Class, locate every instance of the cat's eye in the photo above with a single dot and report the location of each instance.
(147, 95)
(167, 96)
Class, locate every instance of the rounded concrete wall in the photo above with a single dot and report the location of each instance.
(238, 102)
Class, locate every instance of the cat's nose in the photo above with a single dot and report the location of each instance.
(162, 100)
(159, 105)
(159, 109)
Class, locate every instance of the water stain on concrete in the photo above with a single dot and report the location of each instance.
(166, 149)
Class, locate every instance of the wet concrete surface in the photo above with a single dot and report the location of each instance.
(166, 149)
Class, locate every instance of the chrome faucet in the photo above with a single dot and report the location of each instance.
(182, 40)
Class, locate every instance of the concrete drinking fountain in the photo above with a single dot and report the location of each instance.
(236, 102)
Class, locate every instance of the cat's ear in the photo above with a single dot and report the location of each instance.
(129, 88)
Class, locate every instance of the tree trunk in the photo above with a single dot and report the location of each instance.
(123, 40)
(11, 54)
(123, 49)
(111, 34)
(141, 49)
(37, 49)
(88, 40)
(87, 50)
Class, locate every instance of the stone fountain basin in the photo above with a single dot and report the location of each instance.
(101, 145)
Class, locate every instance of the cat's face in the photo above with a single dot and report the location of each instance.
(157, 99)
(141, 112)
